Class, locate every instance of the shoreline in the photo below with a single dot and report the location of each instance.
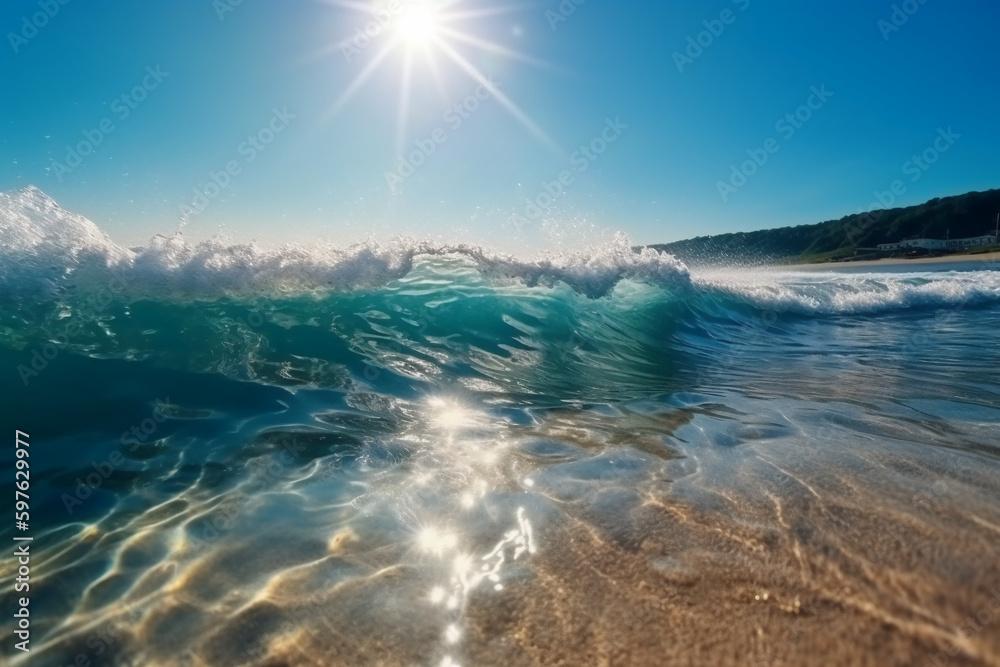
(987, 257)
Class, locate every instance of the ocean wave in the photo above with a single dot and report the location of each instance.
(47, 252)
(607, 321)
(43, 246)
(801, 293)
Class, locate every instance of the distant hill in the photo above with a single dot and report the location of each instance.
(971, 214)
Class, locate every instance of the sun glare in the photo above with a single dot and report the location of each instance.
(418, 24)
(428, 33)
(436, 541)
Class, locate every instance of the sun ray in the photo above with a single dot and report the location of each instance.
(362, 77)
(480, 13)
(425, 27)
(491, 47)
(432, 66)
(353, 5)
(404, 101)
(504, 101)
(445, 4)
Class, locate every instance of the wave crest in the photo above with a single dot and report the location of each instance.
(44, 246)
(46, 250)
(808, 294)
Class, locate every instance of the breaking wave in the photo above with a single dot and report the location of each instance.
(561, 323)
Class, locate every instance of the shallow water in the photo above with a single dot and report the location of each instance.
(440, 456)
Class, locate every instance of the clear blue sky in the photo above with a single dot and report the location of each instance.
(324, 174)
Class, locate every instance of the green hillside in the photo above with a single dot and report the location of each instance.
(971, 214)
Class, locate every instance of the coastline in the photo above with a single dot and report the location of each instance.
(988, 257)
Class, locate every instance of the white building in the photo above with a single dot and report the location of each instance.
(943, 244)
(974, 242)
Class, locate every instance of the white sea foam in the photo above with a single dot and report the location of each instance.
(851, 293)
(44, 248)
(43, 244)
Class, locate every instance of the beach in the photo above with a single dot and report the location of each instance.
(933, 263)
(449, 456)
(448, 333)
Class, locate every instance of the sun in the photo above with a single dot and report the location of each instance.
(418, 24)
(432, 32)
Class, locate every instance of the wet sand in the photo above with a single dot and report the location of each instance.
(768, 553)
(789, 576)
(797, 565)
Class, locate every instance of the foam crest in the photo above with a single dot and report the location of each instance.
(45, 249)
(594, 272)
(214, 268)
(43, 245)
(846, 294)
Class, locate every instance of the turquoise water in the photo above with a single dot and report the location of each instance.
(417, 454)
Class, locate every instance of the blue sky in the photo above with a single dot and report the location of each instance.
(211, 74)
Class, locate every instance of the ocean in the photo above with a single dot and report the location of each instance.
(420, 454)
